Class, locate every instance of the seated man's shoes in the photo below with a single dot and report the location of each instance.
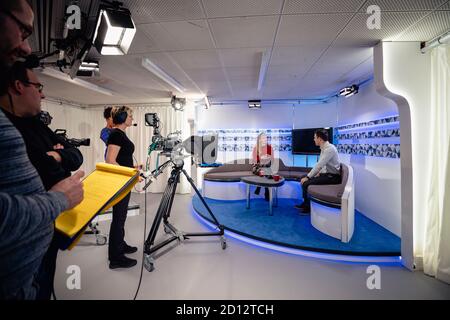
(129, 249)
(300, 206)
(122, 262)
(305, 211)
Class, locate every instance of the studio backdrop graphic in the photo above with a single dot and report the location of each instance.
(239, 143)
(377, 138)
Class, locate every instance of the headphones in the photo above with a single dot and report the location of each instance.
(120, 116)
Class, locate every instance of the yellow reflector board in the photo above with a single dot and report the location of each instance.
(103, 188)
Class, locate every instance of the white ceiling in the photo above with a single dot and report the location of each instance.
(215, 47)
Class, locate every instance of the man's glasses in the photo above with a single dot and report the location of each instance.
(24, 29)
(38, 86)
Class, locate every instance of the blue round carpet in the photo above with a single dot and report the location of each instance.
(287, 228)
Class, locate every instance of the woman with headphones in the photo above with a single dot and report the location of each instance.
(120, 152)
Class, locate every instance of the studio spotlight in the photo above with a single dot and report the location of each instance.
(349, 91)
(178, 103)
(254, 104)
(115, 30)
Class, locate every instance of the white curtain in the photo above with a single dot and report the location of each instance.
(88, 122)
(436, 253)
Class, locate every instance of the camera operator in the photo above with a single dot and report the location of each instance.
(120, 152)
(53, 158)
(27, 212)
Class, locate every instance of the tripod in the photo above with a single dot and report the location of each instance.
(163, 214)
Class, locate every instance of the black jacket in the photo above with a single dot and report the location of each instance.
(39, 139)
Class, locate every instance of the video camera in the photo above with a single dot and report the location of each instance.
(46, 119)
(203, 149)
(61, 133)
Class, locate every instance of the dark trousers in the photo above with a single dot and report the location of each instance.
(117, 230)
(324, 178)
(46, 273)
(266, 192)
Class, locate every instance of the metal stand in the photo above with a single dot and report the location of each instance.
(100, 238)
(163, 214)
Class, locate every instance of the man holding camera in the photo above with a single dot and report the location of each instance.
(27, 211)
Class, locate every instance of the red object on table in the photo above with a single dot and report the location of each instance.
(276, 178)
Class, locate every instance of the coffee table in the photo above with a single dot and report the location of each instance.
(264, 183)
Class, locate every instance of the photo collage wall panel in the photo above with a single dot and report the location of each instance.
(244, 140)
(377, 130)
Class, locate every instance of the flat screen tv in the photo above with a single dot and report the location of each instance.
(303, 140)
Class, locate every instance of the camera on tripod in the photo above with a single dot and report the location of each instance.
(203, 149)
(172, 147)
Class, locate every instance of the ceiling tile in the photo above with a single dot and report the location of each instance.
(341, 59)
(392, 24)
(285, 72)
(243, 73)
(239, 8)
(321, 6)
(142, 44)
(145, 11)
(179, 35)
(429, 28)
(242, 57)
(277, 89)
(166, 63)
(359, 73)
(206, 75)
(196, 59)
(244, 32)
(218, 89)
(405, 5)
(296, 60)
(311, 30)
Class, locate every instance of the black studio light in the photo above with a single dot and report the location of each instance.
(254, 104)
(115, 30)
(349, 91)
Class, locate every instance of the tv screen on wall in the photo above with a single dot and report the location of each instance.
(303, 140)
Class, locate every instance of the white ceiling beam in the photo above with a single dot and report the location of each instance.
(157, 71)
(263, 68)
(78, 82)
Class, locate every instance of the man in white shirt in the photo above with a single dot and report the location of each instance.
(326, 171)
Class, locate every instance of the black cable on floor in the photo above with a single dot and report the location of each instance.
(143, 245)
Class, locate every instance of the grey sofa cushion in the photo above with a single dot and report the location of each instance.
(234, 170)
(227, 176)
(331, 192)
(292, 175)
(328, 193)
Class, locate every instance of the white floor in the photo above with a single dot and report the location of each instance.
(200, 269)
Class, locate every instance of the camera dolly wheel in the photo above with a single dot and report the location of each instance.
(101, 239)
